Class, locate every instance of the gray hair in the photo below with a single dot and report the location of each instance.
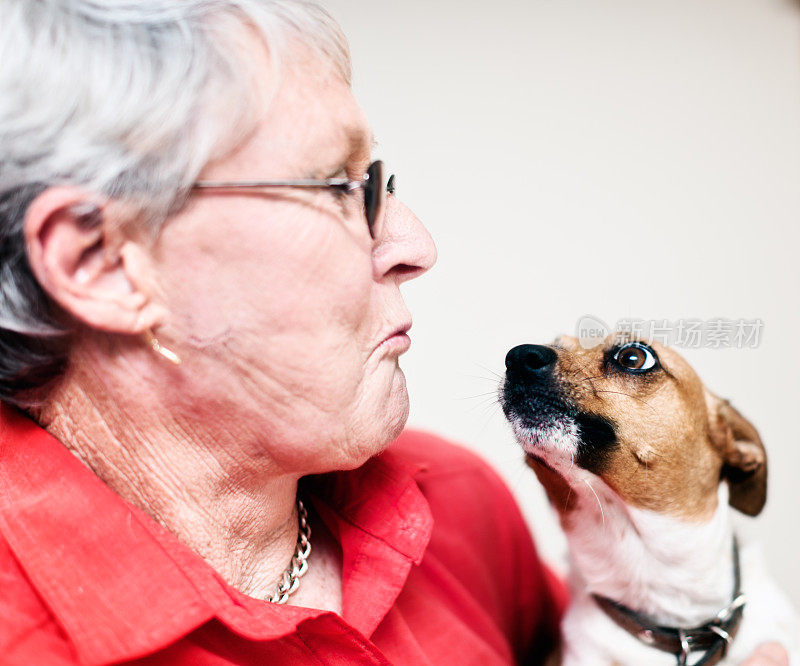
(118, 97)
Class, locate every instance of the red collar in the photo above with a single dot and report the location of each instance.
(122, 587)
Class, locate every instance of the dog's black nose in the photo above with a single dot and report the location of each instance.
(530, 361)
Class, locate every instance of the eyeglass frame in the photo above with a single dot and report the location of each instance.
(373, 211)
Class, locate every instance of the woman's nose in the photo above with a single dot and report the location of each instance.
(405, 248)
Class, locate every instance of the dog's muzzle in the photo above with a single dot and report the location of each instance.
(536, 402)
(531, 395)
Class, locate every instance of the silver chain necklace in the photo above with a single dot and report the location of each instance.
(290, 580)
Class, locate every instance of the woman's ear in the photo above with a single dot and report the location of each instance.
(743, 455)
(83, 261)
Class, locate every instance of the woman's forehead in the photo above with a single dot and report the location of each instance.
(310, 126)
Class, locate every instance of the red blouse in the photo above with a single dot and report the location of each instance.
(439, 568)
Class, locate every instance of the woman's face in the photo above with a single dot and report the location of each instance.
(281, 306)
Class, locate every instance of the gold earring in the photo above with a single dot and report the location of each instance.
(168, 354)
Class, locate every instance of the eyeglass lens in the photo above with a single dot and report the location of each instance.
(375, 189)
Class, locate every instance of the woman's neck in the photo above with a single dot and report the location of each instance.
(232, 508)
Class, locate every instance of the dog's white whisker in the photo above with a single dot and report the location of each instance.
(479, 395)
(599, 504)
(490, 371)
(482, 406)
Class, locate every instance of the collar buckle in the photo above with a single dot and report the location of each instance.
(719, 631)
(686, 647)
(726, 613)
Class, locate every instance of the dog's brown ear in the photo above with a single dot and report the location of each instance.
(743, 456)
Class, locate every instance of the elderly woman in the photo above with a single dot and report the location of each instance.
(200, 325)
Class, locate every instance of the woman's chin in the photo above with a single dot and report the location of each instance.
(384, 425)
(397, 407)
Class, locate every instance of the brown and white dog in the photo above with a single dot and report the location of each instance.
(643, 463)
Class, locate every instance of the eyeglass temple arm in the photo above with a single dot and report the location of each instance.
(341, 183)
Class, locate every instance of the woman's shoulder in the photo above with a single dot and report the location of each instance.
(481, 539)
(26, 625)
(435, 454)
(459, 481)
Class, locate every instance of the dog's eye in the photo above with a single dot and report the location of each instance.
(636, 357)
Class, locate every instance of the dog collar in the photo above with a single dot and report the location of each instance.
(713, 637)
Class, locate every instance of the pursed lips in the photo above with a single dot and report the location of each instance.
(399, 333)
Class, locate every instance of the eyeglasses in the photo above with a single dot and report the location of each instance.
(373, 185)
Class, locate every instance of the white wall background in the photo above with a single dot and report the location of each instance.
(623, 158)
